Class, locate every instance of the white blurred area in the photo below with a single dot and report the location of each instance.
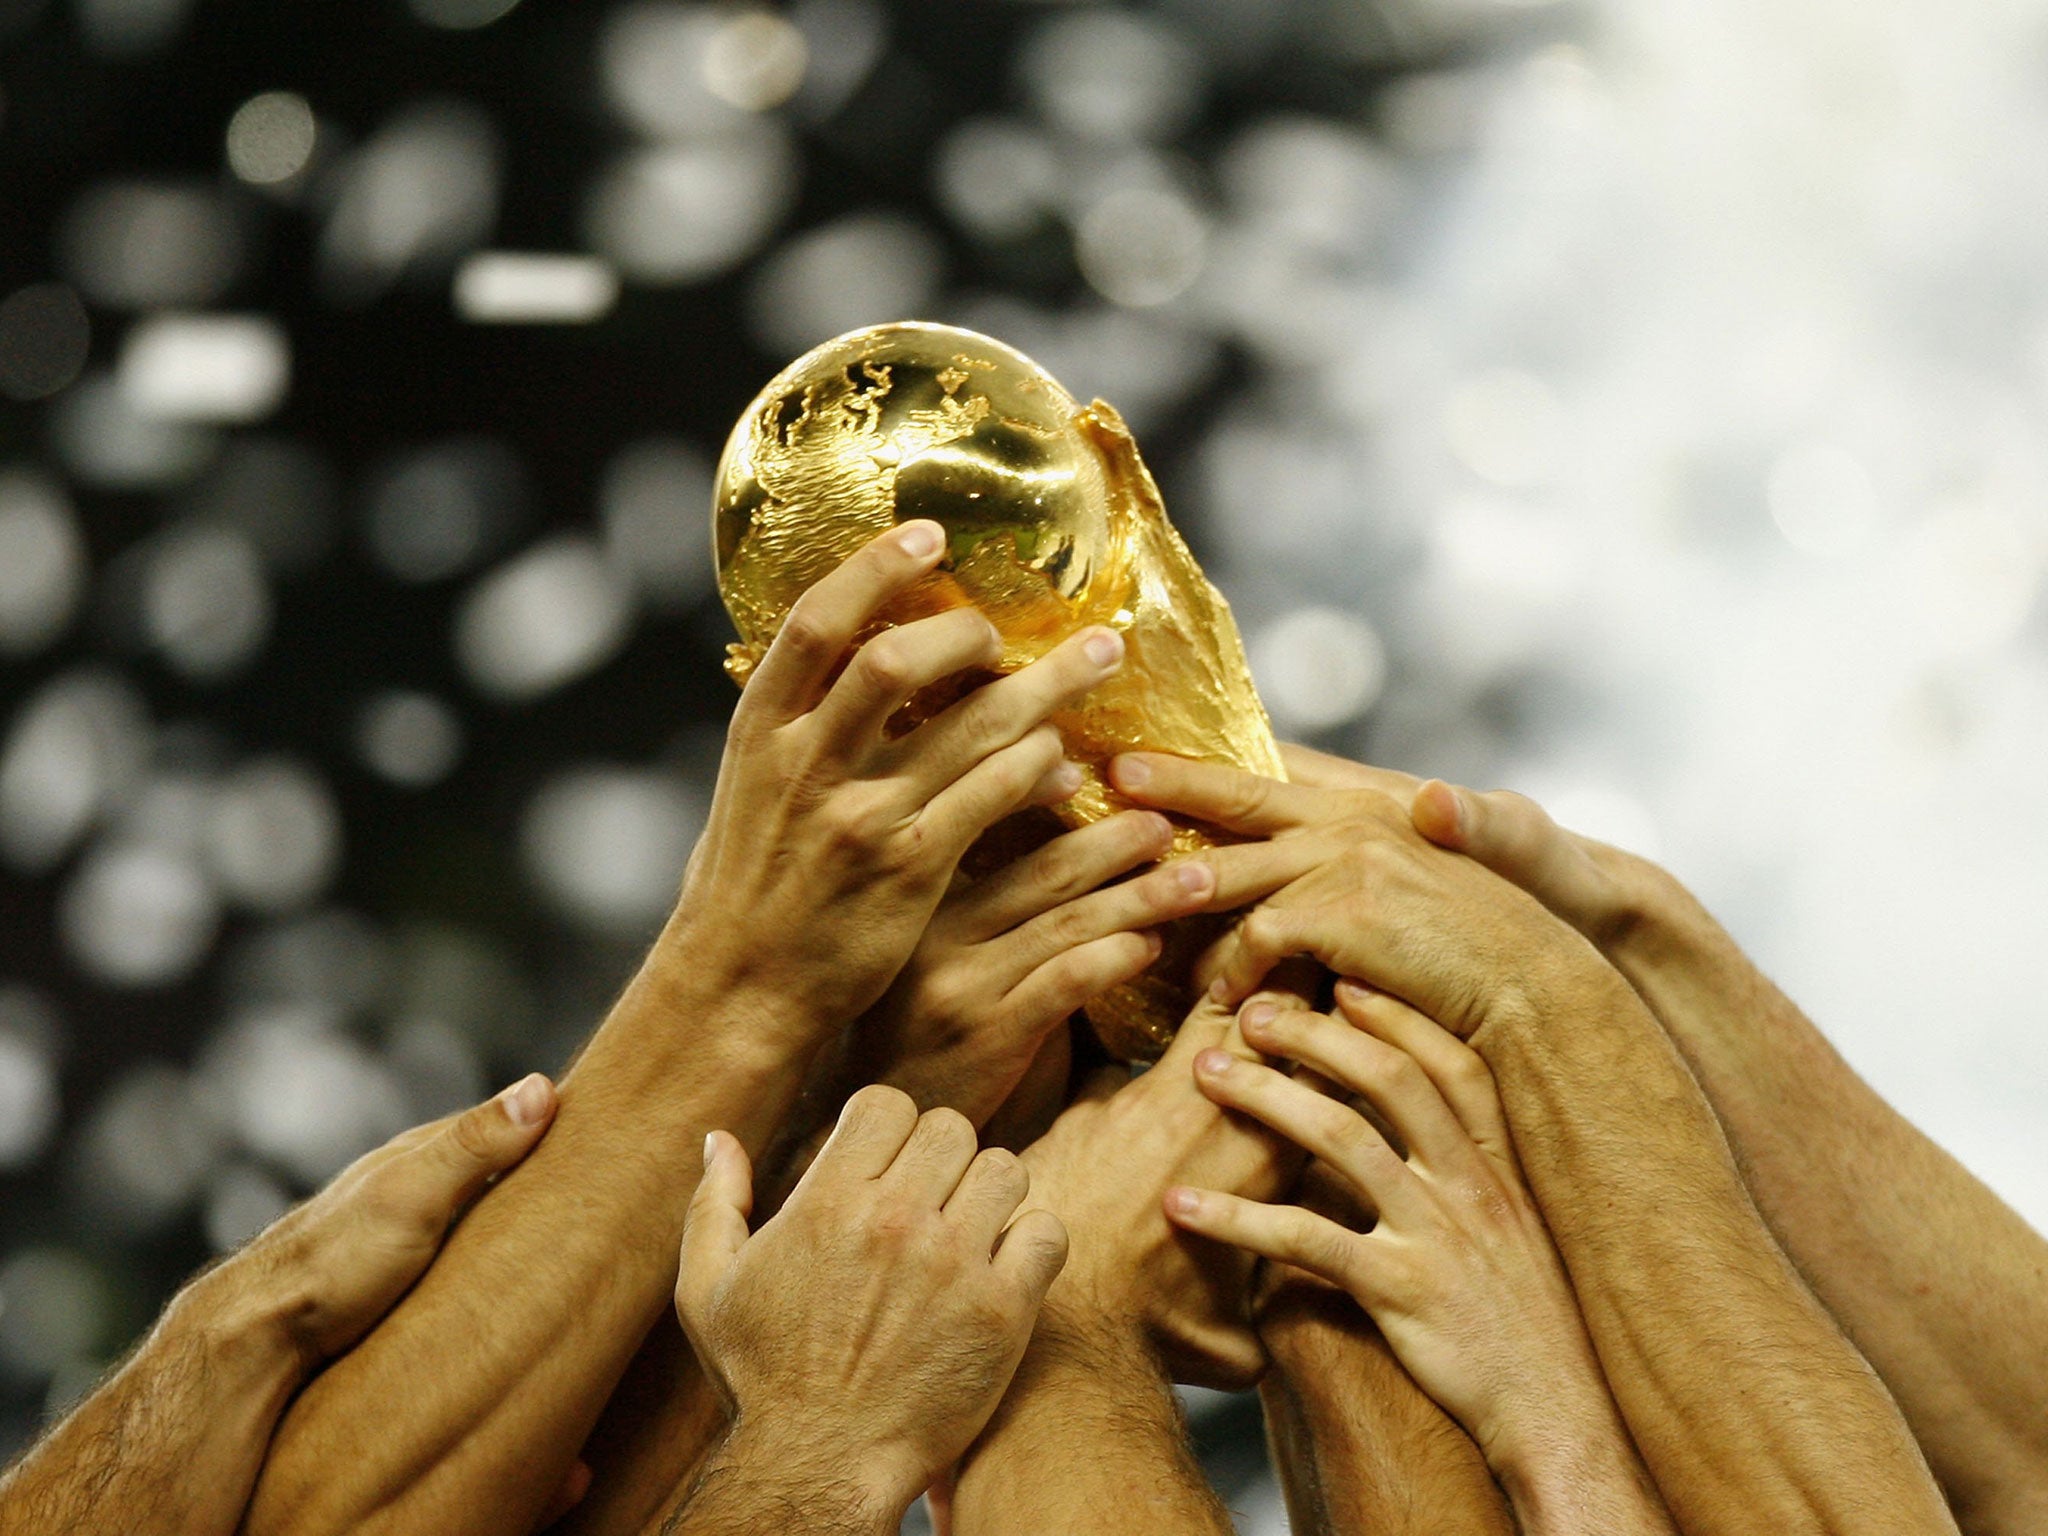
(1703, 393)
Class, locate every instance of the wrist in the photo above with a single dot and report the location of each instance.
(690, 987)
(243, 1322)
(832, 1487)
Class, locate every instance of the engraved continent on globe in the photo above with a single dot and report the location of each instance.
(1053, 524)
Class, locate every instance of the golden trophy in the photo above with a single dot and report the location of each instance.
(1054, 524)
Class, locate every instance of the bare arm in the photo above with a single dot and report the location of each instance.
(171, 1443)
(827, 848)
(1360, 1447)
(977, 1022)
(1940, 1284)
(1749, 1406)
(1457, 1269)
(1090, 1441)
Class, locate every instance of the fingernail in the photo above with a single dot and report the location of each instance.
(1258, 1015)
(1183, 1202)
(1066, 778)
(1156, 944)
(526, 1101)
(1350, 991)
(1195, 878)
(1219, 990)
(1215, 1063)
(1105, 647)
(710, 1149)
(1132, 773)
(920, 540)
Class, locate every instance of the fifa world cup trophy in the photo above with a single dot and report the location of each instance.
(1053, 522)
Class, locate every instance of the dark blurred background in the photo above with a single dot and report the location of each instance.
(1643, 411)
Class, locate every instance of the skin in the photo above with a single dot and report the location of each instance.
(977, 1022)
(1750, 1408)
(173, 1440)
(1358, 1446)
(865, 1334)
(1138, 1306)
(1457, 1271)
(1940, 1284)
(494, 1371)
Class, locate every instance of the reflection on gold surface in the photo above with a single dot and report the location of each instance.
(1055, 524)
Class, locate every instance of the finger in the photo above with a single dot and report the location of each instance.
(1515, 838)
(1404, 1095)
(449, 1168)
(715, 1226)
(988, 1195)
(575, 1484)
(1334, 1132)
(1177, 890)
(872, 1129)
(1248, 872)
(1286, 1234)
(945, 748)
(1031, 1254)
(1060, 782)
(823, 622)
(941, 1147)
(1071, 981)
(1222, 796)
(898, 663)
(1459, 1072)
(1322, 770)
(1071, 865)
(992, 790)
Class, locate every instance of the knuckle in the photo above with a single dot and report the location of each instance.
(885, 664)
(805, 633)
(948, 1127)
(470, 1135)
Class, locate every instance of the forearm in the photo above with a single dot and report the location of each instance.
(1358, 1445)
(1089, 1439)
(485, 1381)
(1939, 1283)
(1750, 1408)
(172, 1442)
(655, 1436)
(753, 1487)
(1570, 1468)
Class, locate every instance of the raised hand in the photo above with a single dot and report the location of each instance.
(1007, 959)
(173, 1441)
(829, 841)
(1361, 891)
(1458, 1270)
(864, 1335)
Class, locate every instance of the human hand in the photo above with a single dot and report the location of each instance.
(1600, 890)
(1458, 1271)
(1103, 1167)
(1370, 898)
(865, 1334)
(331, 1268)
(1007, 959)
(829, 842)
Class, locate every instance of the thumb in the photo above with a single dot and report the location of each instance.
(1031, 1253)
(716, 1226)
(465, 1152)
(1515, 838)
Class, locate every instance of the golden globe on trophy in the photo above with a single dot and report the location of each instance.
(1054, 524)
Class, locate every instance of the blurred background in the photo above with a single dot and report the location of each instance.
(1645, 406)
